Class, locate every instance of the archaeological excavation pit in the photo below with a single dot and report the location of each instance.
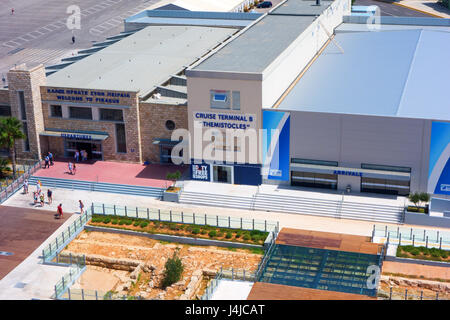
(134, 265)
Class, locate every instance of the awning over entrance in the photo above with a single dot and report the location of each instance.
(165, 142)
(75, 135)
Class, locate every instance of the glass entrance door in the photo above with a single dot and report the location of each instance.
(93, 148)
(223, 174)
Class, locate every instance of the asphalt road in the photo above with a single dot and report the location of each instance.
(390, 9)
(37, 32)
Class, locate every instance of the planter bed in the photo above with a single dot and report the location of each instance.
(422, 253)
(254, 237)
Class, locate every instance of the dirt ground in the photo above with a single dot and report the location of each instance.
(153, 254)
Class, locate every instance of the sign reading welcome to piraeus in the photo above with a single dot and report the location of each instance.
(275, 145)
(439, 164)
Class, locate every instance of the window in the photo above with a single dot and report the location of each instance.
(5, 111)
(80, 113)
(316, 162)
(385, 168)
(236, 100)
(111, 114)
(170, 125)
(26, 141)
(120, 138)
(219, 99)
(56, 111)
(23, 112)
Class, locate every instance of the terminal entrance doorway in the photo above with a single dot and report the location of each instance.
(222, 174)
(92, 147)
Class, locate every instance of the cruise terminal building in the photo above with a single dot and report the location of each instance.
(359, 107)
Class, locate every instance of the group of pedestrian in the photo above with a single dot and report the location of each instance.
(48, 160)
(72, 168)
(38, 195)
(80, 155)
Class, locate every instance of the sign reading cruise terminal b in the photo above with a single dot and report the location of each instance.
(276, 132)
(224, 120)
(86, 95)
(439, 164)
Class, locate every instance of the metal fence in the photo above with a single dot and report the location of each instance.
(51, 251)
(188, 218)
(75, 271)
(83, 294)
(410, 236)
(227, 274)
(405, 295)
(9, 187)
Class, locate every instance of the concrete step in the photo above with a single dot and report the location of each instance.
(98, 186)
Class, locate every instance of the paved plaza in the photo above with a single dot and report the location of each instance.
(113, 172)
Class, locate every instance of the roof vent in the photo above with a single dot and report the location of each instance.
(157, 96)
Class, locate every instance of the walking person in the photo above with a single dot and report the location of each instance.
(49, 196)
(35, 196)
(70, 165)
(50, 156)
(42, 199)
(73, 39)
(47, 162)
(74, 170)
(12, 10)
(38, 187)
(59, 212)
(81, 206)
(25, 186)
(77, 156)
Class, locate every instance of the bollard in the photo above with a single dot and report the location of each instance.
(63, 237)
(253, 224)
(229, 222)
(63, 283)
(440, 243)
(390, 293)
(57, 246)
(437, 295)
(413, 239)
(137, 212)
(241, 223)
(410, 235)
(70, 258)
(398, 231)
(426, 243)
(193, 217)
(103, 206)
(182, 217)
(114, 209)
(159, 214)
(265, 225)
(148, 214)
(217, 220)
(56, 292)
(126, 213)
(400, 240)
(170, 212)
(389, 234)
(244, 274)
(424, 231)
(437, 238)
(385, 232)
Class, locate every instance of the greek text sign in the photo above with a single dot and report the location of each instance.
(86, 95)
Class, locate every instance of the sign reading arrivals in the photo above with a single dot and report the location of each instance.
(87, 96)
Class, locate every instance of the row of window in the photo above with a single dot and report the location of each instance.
(86, 113)
(363, 165)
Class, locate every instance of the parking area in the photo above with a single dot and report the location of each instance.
(21, 232)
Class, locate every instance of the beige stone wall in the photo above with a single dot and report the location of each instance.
(130, 114)
(4, 96)
(29, 81)
(153, 119)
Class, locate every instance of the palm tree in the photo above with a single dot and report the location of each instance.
(10, 131)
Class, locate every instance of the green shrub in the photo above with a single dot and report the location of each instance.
(415, 251)
(121, 222)
(173, 226)
(128, 222)
(189, 229)
(144, 224)
(246, 237)
(136, 223)
(182, 226)
(173, 270)
(157, 224)
(228, 235)
(195, 231)
(444, 254)
(238, 234)
(203, 231)
(212, 233)
(114, 221)
(220, 234)
(107, 220)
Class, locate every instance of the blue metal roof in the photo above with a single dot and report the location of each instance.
(400, 73)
